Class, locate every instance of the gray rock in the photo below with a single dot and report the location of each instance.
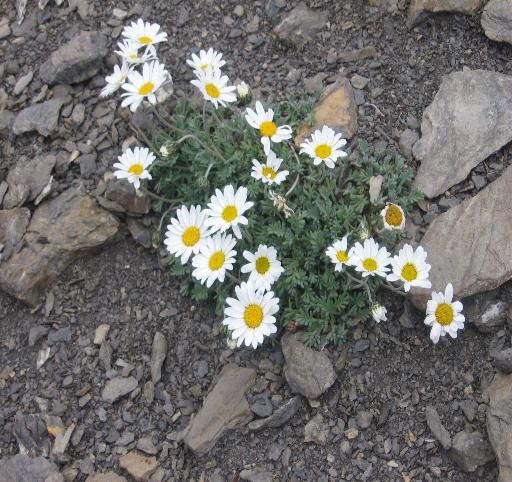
(77, 60)
(316, 431)
(256, 475)
(281, 416)
(502, 360)
(21, 468)
(470, 451)
(437, 428)
(499, 423)
(22, 83)
(301, 25)
(147, 446)
(497, 20)
(105, 356)
(364, 419)
(307, 371)
(477, 254)
(225, 408)
(261, 405)
(105, 477)
(13, 225)
(158, 354)
(406, 142)
(36, 333)
(118, 387)
(60, 231)
(139, 232)
(420, 9)
(31, 434)
(493, 316)
(42, 118)
(5, 30)
(62, 335)
(6, 121)
(87, 165)
(467, 121)
(123, 194)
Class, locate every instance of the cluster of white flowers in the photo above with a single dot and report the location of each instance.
(409, 268)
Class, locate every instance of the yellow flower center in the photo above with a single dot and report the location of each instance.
(204, 66)
(444, 314)
(394, 216)
(409, 272)
(136, 169)
(212, 90)
(323, 151)
(268, 128)
(253, 315)
(262, 265)
(268, 172)
(145, 40)
(229, 213)
(190, 236)
(369, 264)
(146, 88)
(134, 56)
(342, 256)
(217, 260)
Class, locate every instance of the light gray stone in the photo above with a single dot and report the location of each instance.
(158, 354)
(437, 428)
(470, 451)
(497, 20)
(42, 118)
(13, 224)
(420, 9)
(21, 468)
(118, 387)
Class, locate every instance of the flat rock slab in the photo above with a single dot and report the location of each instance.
(59, 232)
(307, 371)
(469, 245)
(77, 60)
(469, 119)
(497, 20)
(138, 466)
(21, 468)
(499, 423)
(42, 118)
(105, 477)
(13, 224)
(118, 387)
(282, 415)
(420, 9)
(225, 408)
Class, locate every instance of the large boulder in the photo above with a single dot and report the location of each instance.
(77, 60)
(13, 224)
(469, 245)
(421, 9)
(21, 468)
(60, 231)
(497, 20)
(469, 119)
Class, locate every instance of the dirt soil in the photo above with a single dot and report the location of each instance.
(392, 371)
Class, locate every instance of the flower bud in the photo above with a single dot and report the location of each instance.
(243, 90)
(379, 313)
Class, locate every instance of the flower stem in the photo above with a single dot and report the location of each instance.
(394, 290)
(161, 198)
(233, 277)
(361, 283)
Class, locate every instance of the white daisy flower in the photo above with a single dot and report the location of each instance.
(133, 54)
(338, 253)
(324, 146)
(369, 259)
(226, 209)
(116, 80)
(214, 87)
(393, 216)
(444, 315)
(263, 267)
(216, 255)
(207, 60)
(268, 172)
(133, 165)
(140, 87)
(409, 266)
(251, 315)
(144, 33)
(379, 313)
(269, 130)
(186, 233)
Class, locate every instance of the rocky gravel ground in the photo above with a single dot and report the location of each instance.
(115, 372)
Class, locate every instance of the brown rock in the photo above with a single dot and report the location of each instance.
(138, 466)
(123, 194)
(358, 54)
(499, 423)
(497, 20)
(60, 231)
(106, 477)
(225, 408)
(13, 224)
(420, 9)
(469, 245)
(337, 109)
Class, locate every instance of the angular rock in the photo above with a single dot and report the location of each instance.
(6, 121)
(21, 468)
(261, 405)
(491, 318)
(126, 200)
(62, 440)
(467, 121)
(31, 434)
(497, 20)
(406, 142)
(59, 232)
(22, 83)
(316, 431)
(118, 387)
(469, 245)
(307, 371)
(502, 360)
(42, 118)
(225, 408)
(301, 25)
(437, 428)
(256, 475)
(390, 6)
(499, 423)
(106, 477)
(158, 354)
(100, 334)
(77, 60)
(337, 109)
(138, 466)
(139, 232)
(36, 333)
(13, 224)
(358, 54)
(279, 417)
(420, 9)
(470, 451)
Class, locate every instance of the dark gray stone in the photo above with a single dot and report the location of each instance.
(42, 118)
(437, 428)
